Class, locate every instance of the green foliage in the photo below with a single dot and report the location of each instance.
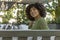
(57, 12)
(51, 8)
(56, 8)
(7, 16)
(21, 15)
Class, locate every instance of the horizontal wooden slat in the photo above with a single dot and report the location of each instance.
(25, 33)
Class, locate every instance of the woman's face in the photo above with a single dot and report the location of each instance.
(34, 12)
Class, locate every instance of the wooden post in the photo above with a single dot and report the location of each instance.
(45, 38)
(7, 38)
(57, 38)
(34, 38)
(22, 38)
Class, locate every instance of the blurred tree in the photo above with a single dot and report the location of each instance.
(50, 7)
(57, 12)
(7, 16)
(21, 15)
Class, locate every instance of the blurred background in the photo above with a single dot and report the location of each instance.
(13, 12)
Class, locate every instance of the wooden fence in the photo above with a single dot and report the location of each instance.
(23, 34)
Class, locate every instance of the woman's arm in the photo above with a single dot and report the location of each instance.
(30, 24)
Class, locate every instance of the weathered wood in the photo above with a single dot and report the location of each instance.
(57, 38)
(7, 38)
(22, 38)
(46, 38)
(23, 34)
(34, 38)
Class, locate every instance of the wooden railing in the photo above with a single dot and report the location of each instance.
(23, 34)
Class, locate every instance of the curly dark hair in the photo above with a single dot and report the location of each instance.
(38, 6)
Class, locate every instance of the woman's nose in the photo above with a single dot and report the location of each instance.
(32, 10)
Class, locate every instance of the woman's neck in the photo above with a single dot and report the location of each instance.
(37, 17)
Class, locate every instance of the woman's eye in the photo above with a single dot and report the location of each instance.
(34, 9)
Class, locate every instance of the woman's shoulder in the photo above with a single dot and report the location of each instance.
(41, 19)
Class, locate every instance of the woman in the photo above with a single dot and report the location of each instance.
(36, 12)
